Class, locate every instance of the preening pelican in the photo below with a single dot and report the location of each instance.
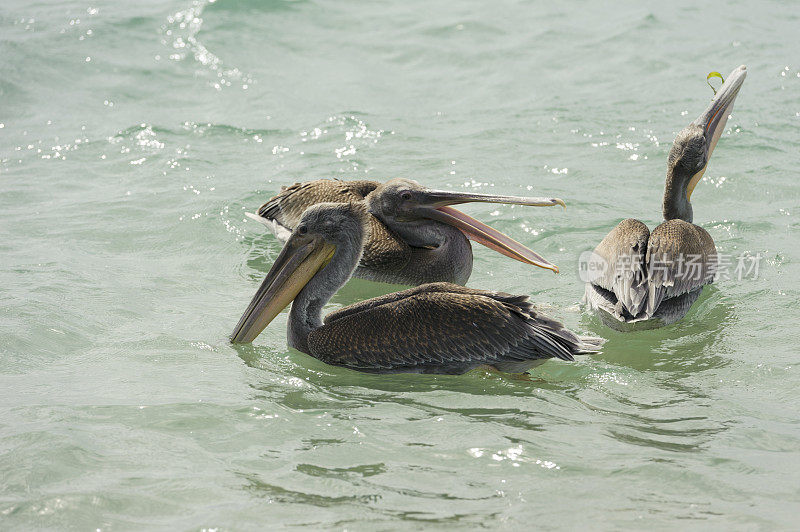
(414, 235)
(652, 279)
(432, 328)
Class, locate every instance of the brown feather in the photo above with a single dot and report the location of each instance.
(443, 328)
(672, 247)
(644, 270)
(383, 250)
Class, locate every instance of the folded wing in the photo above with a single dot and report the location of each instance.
(288, 205)
(441, 325)
(623, 252)
(383, 250)
(681, 258)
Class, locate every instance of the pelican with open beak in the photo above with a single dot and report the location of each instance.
(415, 235)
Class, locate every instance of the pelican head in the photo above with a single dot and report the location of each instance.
(408, 208)
(325, 230)
(691, 151)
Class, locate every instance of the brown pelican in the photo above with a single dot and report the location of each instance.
(414, 235)
(651, 279)
(432, 328)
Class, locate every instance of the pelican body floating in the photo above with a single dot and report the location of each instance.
(432, 328)
(651, 279)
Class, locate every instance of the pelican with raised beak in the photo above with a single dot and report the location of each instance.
(649, 280)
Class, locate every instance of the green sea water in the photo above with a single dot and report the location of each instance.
(133, 138)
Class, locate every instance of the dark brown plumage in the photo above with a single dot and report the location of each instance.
(432, 328)
(444, 328)
(384, 251)
(414, 236)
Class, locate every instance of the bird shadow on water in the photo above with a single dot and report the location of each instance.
(300, 382)
(295, 364)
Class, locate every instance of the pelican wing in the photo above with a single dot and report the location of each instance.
(374, 302)
(681, 258)
(288, 205)
(624, 252)
(281, 213)
(441, 326)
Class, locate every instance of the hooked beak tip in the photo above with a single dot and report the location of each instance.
(549, 266)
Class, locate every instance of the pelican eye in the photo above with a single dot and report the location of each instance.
(302, 229)
(405, 196)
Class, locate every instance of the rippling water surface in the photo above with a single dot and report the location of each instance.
(134, 137)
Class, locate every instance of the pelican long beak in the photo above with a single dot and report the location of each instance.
(439, 198)
(714, 118)
(299, 260)
(437, 207)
